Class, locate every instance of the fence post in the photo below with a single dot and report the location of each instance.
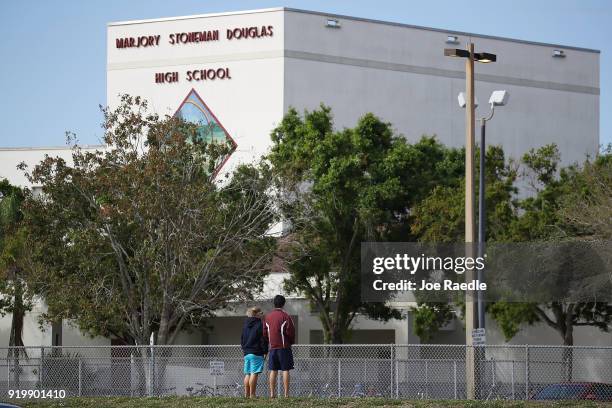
(426, 380)
(149, 369)
(512, 378)
(132, 374)
(396, 376)
(40, 367)
(455, 377)
(80, 371)
(526, 371)
(8, 376)
(391, 373)
(339, 376)
(153, 375)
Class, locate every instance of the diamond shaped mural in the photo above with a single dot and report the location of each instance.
(194, 110)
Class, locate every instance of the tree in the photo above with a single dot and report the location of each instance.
(587, 204)
(14, 261)
(539, 217)
(341, 188)
(429, 317)
(543, 219)
(15, 298)
(138, 239)
(439, 217)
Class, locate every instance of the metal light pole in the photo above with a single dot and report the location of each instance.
(498, 98)
(470, 236)
(481, 219)
(470, 324)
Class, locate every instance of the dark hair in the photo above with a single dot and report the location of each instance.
(279, 301)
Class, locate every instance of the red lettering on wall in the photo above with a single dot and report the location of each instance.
(166, 77)
(194, 37)
(249, 32)
(137, 42)
(236, 33)
(209, 74)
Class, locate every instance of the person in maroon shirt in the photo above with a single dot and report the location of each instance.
(280, 331)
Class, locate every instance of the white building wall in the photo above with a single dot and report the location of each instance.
(11, 157)
(401, 74)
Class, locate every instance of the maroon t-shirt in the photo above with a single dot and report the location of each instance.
(279, 329)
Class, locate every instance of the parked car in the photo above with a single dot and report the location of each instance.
(575, 391)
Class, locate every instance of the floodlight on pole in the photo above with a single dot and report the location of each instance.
(499, 98)
(485, 57)
(463, 101)
(456, 52)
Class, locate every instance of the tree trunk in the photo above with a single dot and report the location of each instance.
(16, 336)
(563, 323)
(334, 328)
(162, 353)
(568, 336)
(16, 339)
(327, 334)
(337, 335)
(164, 325)
(141, 361)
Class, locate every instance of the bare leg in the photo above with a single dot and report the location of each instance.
(286, 382)
(273, 383)
(253, 384)
(247, 388)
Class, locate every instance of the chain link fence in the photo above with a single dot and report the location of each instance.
(326, 371)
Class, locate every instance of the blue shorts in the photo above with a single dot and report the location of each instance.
(253, 364)
(280, 359)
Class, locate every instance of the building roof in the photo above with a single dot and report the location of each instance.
(345, 17)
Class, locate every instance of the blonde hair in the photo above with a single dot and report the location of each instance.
(254, 311)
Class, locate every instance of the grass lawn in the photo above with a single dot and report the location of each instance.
(208, 402)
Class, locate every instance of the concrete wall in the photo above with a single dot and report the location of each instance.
(10, 158)
(400, 73)
(536, 334)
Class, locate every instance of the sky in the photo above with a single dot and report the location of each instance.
(53, 53)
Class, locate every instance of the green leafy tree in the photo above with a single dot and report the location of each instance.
(550, 213)
(542, 219)
(587, 204)
(138, 239)
(440, 217)
(340, 188)
(429, 317)
(15, 263)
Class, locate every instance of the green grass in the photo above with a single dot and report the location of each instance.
(189, 402)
